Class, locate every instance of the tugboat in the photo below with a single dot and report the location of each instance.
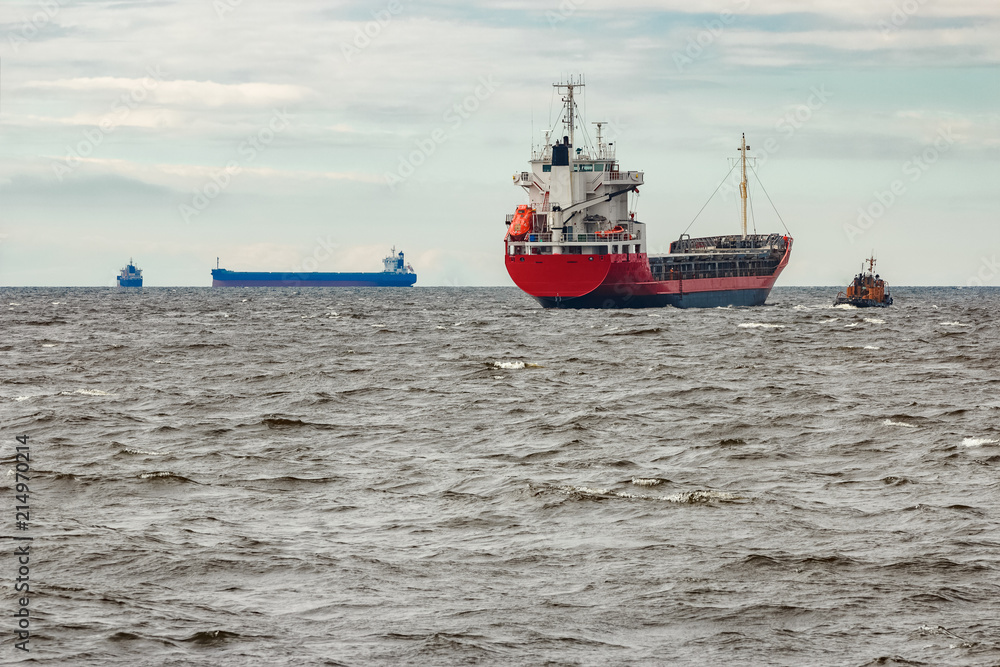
(130, 276)
(577, 245)
(867, 290)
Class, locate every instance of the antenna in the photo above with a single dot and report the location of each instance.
(569, 103)
(743, 183)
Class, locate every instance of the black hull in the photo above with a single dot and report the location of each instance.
(718, 299)
(863, 303)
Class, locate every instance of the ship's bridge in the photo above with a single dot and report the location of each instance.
(578, 196)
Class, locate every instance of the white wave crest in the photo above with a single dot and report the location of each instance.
(21, 398)
(140, 452)
(685, 497)
(846, 306)
(874, 320)
(153, 475)
(639, 481)
(872, 347)
(92, 392)
(979, 442)
(760, 325)
(955, 324)
(514, 365)
(889, 422)
(701, 497)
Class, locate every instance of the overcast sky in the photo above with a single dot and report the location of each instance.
(318, 134)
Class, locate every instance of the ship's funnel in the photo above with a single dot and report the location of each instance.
(560, 183)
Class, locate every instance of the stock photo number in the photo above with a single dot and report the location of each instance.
(22, 515)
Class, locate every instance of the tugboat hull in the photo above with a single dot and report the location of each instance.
(863, 303)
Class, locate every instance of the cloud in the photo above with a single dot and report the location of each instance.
(180, 93)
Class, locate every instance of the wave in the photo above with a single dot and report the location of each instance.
(87, 392)
(760, 325)
(874, 320)
(282, 423)
(639, 332)
(683, 497)
(514, 365)
(211, 637)
(979, 442)
(166, 476)
(889, 422)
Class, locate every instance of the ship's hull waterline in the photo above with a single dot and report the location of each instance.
(626, 281)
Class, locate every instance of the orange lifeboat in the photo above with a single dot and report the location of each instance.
(608, 232)
(521, 224)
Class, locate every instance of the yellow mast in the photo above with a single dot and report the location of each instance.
(743, 183)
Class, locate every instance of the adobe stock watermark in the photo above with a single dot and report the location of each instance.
(612, 130)
(714, 28)
(121, 108)
(884, 200)
(793, 121)
(988, 270)
(220, 180)
(223, 7)
(563, 13)
(30, 27)
(455, 116)
(322, 252)
(901, 15)
(364, 35)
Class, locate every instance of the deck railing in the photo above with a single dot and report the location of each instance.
(546, 237)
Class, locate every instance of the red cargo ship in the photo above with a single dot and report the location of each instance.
(576, 245)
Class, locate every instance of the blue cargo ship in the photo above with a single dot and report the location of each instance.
(397, 273)
(130, 276)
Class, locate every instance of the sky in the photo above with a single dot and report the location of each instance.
(318, 135)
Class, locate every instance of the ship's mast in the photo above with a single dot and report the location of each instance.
(743, 183)
(570, 105)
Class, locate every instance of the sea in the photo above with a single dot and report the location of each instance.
(456, 476)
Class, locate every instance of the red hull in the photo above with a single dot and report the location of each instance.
(625, 280)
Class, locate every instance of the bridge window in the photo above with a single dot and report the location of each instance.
(546, 167)
(586, 167)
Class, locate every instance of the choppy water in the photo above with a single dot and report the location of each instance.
(456, 476)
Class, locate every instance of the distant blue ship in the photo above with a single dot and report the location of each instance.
(130, 276)
(397, 273)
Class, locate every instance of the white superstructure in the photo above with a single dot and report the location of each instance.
(578, 193)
